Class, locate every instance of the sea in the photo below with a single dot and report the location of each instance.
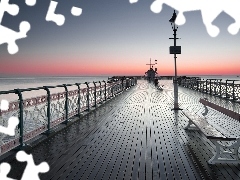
(11, 83)
(223, 77)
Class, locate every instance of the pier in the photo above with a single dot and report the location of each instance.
(135, 134)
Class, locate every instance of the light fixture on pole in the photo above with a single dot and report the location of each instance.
(175, 50)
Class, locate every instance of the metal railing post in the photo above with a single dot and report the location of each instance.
(226, 88)
(215, 86)
(66, 102)
(112, 88)
(95, 95)
(100, 91)
(200, 86)
(220, 88)
(191, 83)
(197, 84)
(116, 88)
(105, 92)
(79, 99)
(122, 83)
(20, 125)
(88, 103)
(206, 91)
(48, 109)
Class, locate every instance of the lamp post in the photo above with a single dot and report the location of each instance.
(175, 50)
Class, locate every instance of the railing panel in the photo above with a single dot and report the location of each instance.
(215, 87)
(40, 114)
(57, 108)
(9, 142)
(223, 89)
(237, 91)
(218, 89)
(108, 91)
(229, 93)
(34, 117)
(72, 103)
(83, 103)
(99, 94)
(91, 96)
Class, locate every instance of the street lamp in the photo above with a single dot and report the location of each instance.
(175, 50)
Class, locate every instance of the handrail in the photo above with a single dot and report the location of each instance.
(227, 90)
(46, 112)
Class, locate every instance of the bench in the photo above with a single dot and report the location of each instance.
(214, 134)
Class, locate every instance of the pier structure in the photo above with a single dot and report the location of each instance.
(151, 73)
(136, 135)
(58, 105)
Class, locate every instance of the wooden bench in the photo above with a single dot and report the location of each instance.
(215, 135)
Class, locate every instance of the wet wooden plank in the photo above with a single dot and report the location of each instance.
(140, 138)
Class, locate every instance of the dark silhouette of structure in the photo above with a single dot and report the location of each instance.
(151, 73)
(175, 50)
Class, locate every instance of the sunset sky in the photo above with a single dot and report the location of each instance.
(114, 37)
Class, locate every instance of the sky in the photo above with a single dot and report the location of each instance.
(114, 37)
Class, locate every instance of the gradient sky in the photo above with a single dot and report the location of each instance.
(114, 37)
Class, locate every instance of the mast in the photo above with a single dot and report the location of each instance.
(151, 63)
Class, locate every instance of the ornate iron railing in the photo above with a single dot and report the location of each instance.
(228, 89)
(41, 114)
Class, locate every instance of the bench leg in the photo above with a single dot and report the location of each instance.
(206, 111)
(217, 155)
(189, 127)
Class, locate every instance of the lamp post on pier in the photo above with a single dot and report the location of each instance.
(175, 50)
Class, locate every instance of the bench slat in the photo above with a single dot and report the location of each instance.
(223, 110)
(207, 129)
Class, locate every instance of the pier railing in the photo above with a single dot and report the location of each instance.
(228, 89)
(41, 114)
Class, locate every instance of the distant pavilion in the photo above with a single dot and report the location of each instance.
(151, 74)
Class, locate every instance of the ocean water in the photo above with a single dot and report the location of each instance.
(11, 83)
(223, 77)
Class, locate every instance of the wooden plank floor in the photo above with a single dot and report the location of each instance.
(135, 136)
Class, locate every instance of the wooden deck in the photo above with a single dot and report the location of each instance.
(135, 136)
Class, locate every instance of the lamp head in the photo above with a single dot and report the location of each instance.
(174, 16)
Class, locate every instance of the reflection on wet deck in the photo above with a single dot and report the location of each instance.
(135, 136)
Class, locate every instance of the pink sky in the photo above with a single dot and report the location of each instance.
(106, 67)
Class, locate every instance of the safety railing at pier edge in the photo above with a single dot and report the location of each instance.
(229, 89)
(41, 114)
